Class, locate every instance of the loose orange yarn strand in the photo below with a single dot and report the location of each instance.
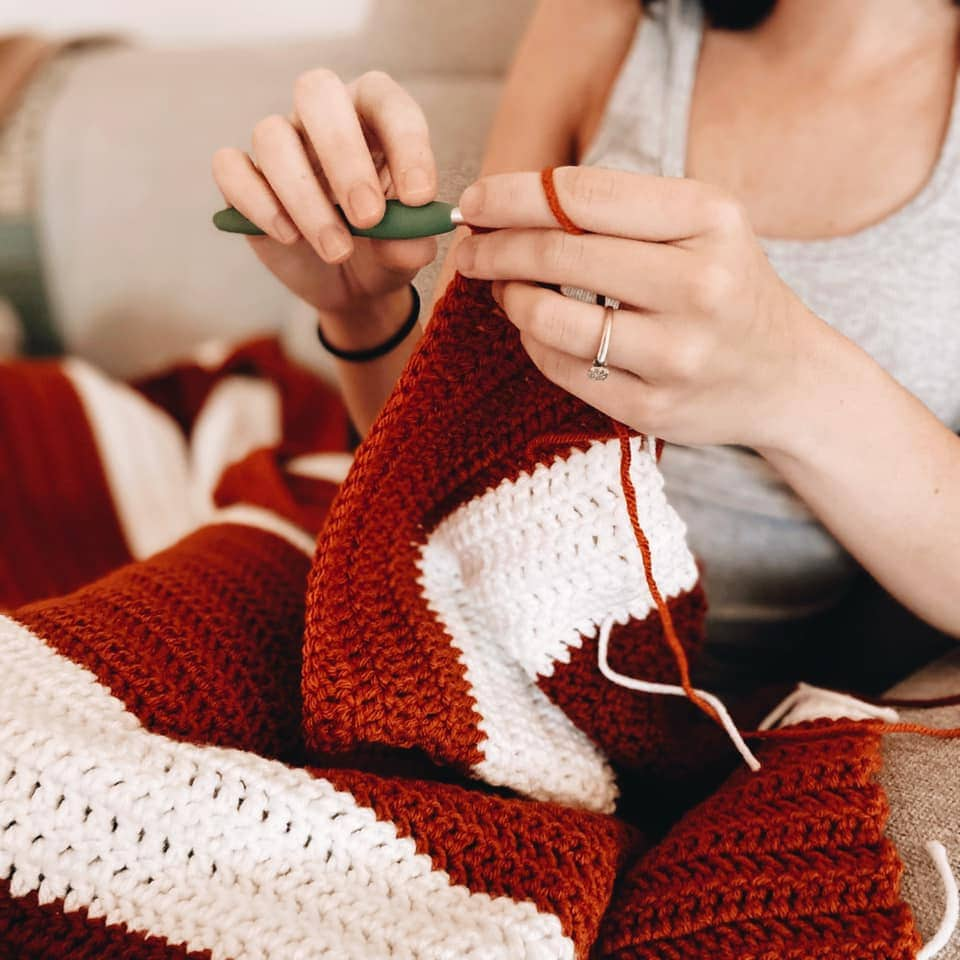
(629, 491)
(669, 631)
(666, 619)
(842, 727)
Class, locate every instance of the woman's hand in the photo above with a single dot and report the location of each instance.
(351, 144)
(709, 345)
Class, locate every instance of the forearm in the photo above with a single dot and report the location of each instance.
(882, 474)
(366, 386)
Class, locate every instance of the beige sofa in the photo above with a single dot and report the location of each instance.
(135, 271)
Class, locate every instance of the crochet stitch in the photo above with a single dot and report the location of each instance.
(202, 754)
(789, 862)
(465, 568)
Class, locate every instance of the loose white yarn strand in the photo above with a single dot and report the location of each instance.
(951, 896)
(646, 686)
(808, 702)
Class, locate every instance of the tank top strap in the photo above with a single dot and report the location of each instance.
(644, 125)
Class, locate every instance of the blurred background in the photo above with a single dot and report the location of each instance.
(109, 115)
(185, 22)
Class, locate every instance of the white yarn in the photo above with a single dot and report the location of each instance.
(260, 518)
(646, 686)
(519, 575)
(218, 849)
(951, 896)
(808, 702)
(240, 415)
(144, 457)
(321, 466)
(542, 559)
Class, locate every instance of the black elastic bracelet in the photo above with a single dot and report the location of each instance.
(381, 349)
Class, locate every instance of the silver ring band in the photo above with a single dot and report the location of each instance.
(598, 369)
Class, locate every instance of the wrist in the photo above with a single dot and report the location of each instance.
(824, 396)
(369, 322)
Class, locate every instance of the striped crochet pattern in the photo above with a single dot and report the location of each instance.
(157, 796)
(467, 565)
(790, 862)
(254, 709)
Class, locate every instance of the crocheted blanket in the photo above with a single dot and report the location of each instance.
(260, 701)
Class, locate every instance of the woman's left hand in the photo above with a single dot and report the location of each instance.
(709, 346)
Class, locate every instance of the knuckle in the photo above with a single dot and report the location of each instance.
(590, 186)
(561, 252)
(556, 367)
(223, 161)
(269, 128)
(687, 357)
(545, 321)
(724, 213)
(339, 154)
(502, 194)
(486, 254)
(648, 410)
(376, 79)
(710, 286)
(412, 132)
(309, 82)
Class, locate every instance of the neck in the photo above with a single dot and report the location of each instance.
(858, 31)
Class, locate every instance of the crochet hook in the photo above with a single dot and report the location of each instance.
(400, 222)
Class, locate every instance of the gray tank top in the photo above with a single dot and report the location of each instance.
(893, 288)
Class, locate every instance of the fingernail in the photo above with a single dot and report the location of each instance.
(365, 202)
(334, 243)
(471, 201)
(466, 256)
(416, 180)
(284, 228)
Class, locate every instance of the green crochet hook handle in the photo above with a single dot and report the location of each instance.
(400, 222)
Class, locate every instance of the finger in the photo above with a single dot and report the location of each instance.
(401, 128)
(649, 275)
(636, 206)
(405, 256)
(246, 189)
(622, 395)
(576, 328)
(282, 159)
(326, 109)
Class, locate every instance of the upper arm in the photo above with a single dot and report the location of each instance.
(561, 76)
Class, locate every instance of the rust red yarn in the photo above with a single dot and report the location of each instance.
(31, 930)
(313, 415)
(505, 847)
(556, 208)
(201, 641)
(788, 863)
(455, 426)
(53, 488)
(630, 496)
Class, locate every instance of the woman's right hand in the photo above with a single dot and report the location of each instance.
(351, 144)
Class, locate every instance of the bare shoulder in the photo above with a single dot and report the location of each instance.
(562, 74)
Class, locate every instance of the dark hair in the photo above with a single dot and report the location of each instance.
(737, 14)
